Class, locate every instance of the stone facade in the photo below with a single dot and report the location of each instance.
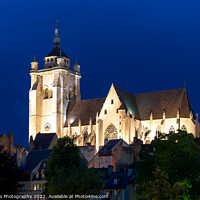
(51, 90)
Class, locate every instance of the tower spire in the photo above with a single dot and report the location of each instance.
(56, 40)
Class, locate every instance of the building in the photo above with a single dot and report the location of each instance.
(115, 153)
(55, 107)
(7, 143)
(120, 185)
(32, 164)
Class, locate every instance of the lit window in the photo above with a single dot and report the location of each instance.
(44, 164)
(105, 112)
(42, 174)
(38, 187)
(112, 101)
(34, 187)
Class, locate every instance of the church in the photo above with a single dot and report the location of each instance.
(55, 106)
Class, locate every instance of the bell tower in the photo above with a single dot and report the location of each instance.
(52, 87)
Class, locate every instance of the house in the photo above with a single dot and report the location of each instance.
(115, 153)
(120, 185)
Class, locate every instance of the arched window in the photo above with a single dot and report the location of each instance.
(105, 112)
(111, 133)
(42, 174)
(50, 94)
(158, 131)
(46, 93)
(112, 101)
(172, 129)
(36, 174)
(183, 128)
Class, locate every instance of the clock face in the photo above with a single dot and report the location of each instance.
(47, 126)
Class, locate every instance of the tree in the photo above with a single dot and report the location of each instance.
(9, 174)
(175, 159)
(67, 173)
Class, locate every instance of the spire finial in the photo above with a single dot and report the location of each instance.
(34, 57)
(60, 52)
(56, 30)
(56, 40)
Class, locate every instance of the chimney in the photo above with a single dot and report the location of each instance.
(114, 165)
(23, 162)
(10, 142)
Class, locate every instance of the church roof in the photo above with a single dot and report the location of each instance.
(83, 110)
(57, 51)
(156, 102)
(43, 140)
(34, 158)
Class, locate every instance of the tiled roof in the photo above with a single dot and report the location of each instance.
(83, 110)
(106, 150)
(123, 178)
(56, 52)
(34, 158)
(43, 140)
(156, 102)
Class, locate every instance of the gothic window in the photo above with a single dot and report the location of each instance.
(50, 94)
(158, 131)
(112, 101)
(183, 128)
(172, 129)
(42, 173)
(105, 112)
(46, 93)
(37, 174)
(111, 133)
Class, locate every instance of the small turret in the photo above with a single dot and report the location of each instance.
(76, 67)
(34, 64)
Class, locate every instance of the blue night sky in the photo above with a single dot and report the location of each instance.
(139, 45)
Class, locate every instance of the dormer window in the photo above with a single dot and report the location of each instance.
(42, 174)
(116, 180)
(37, 174)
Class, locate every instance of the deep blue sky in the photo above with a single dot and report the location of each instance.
(139, 45)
